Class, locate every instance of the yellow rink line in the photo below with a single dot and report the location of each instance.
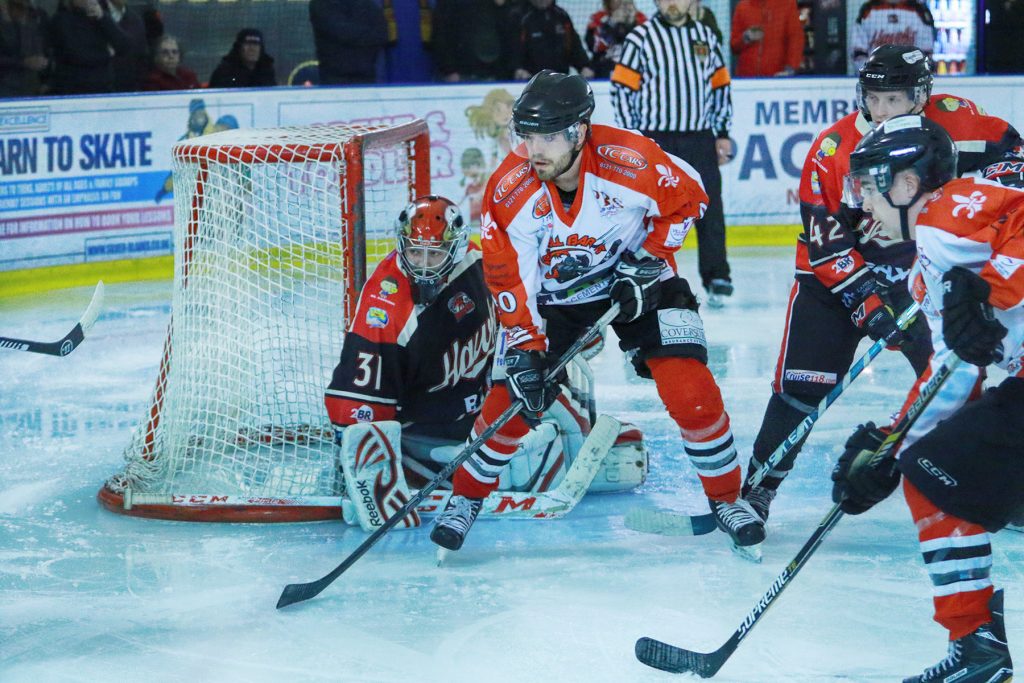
(19, 282)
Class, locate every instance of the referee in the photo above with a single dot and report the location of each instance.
(672, 84)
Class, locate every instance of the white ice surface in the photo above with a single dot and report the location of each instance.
(87, 595)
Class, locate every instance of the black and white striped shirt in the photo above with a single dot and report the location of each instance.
(672, 79)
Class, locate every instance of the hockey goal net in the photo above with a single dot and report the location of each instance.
(274, 232)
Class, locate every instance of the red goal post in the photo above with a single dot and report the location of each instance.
(275, 230)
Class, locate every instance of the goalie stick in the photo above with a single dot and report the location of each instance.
(660, 655)
(297, 592)
(70, 341)
(669, 523)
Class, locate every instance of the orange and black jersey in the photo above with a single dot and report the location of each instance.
(840, 246)
(415, 364)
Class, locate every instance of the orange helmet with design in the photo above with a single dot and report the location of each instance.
(432, 240)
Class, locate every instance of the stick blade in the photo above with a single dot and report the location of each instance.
(676, 660)
(667, 523)
(297, 592)
(95, 306)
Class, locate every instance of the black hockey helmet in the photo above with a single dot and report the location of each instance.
(895, 67)
(552, 102)
(902, 142)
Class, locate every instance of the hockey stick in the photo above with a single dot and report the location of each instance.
(660, 655)
(669, 523)
(297, 592)
(70, 341)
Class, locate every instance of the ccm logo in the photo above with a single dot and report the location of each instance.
(623, 156)
(510, 180)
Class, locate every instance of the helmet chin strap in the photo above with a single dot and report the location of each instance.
(904, 210)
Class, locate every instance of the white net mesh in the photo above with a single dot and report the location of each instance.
(263, 272)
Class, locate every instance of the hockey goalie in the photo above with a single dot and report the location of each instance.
(419, 355)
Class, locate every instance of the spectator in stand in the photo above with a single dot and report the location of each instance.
(23, 49)
(466, 40)
(698, 12)
(247, 65)
(349, 35)
(767, 38)
(548, 40)
(130, 68)
(606, 30)
(510, 18)
(891, 22)
(168, 73)
(85, 39)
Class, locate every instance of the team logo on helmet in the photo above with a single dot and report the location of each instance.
(461, 305)
(913, 57)
(623, 156)
(509, 181)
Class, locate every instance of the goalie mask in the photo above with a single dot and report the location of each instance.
(548, 115)
(432, 240)
(892, 68)
(901, 143)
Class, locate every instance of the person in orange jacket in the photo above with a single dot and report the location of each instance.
(767, 38)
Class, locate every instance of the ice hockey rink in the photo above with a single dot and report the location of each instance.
(88, 595)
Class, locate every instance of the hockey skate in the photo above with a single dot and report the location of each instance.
(453, 524)
(718, 290)
(760, 499)
(978, 657)
(738, 520)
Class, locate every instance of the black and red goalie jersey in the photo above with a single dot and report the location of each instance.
(423, 365)
(841, 246)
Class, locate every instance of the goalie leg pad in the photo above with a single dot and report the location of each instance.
(370, 455)
(626, 465)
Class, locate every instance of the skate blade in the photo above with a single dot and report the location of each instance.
(440, 555)
(750, 553)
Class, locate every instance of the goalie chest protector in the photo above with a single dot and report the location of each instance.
(416, 364)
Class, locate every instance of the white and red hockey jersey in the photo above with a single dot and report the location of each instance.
(428, 365)
(537, 252)
(880, 22)
(977, 224)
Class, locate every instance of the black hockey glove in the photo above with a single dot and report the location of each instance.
(635, 285)
(863, 477)
(969, 326)
(525, 372)
(876, 318)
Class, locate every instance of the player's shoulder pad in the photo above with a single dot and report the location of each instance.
(963, 206)
(385, 303)
(838, 139)
(509, 188)
(630, 158)
(945, 108)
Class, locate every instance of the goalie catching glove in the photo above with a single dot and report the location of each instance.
(526, 372)
(863, 477)
(636, 284)
(969, 326)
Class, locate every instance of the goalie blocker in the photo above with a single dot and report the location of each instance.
(541, 480)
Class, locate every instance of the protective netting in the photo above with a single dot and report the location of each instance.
(269, 230)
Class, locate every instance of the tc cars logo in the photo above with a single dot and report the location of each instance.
(623, 156)
(509, 181)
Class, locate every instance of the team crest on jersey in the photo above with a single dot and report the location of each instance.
(467, 359)
(701, 50)
(542, 207)
(952, 104)
(828, 146)
(363, 413)
(461, 305)
(377, 317)
(388, 286)
(622, 156)
(509, 181)
(666, 179)
(969, 205)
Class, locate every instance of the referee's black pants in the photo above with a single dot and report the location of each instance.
(698, 150)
